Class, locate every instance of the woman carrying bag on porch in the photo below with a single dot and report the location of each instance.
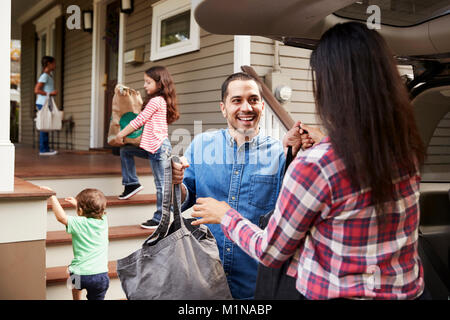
(44, 89)
(348, 210)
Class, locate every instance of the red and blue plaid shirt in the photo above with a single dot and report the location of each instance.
(331, 232)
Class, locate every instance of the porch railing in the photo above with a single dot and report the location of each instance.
(58, 139)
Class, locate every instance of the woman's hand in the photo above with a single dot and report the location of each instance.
(313, 137)
(209, 210)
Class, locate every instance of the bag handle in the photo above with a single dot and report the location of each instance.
(177, 219)
(50, 101)
(47, 103)
(289, 158)
(53, 103)
(170, 196)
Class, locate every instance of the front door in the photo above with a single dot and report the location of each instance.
(111, 59)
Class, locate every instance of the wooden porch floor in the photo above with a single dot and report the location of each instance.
(69, 163)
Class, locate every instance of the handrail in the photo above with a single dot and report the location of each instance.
(285, 118)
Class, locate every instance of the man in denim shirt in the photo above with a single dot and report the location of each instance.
(238, 165)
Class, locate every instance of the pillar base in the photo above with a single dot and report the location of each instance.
(7, 167)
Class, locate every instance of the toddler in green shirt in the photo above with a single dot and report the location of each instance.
(89, 268)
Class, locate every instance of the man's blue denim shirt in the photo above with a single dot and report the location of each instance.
(248, 178)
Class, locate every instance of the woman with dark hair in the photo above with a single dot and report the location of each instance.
(348, 211)
(45, 88)
(160, 110)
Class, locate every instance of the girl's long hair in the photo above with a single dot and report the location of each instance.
(365, 108)
(164, 80)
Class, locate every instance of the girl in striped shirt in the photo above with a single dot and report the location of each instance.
(160, 111)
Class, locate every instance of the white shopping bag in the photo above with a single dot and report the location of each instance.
(49, 118)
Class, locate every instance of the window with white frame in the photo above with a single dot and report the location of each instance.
(45, 29)
(174, 30)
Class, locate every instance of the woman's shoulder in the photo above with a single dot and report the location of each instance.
(44, 77)
(323, 151)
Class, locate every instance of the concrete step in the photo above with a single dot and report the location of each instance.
(133, 211)
(123, 240)
(110, 185)
(57, 288)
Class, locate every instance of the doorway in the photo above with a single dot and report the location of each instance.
(111, 40)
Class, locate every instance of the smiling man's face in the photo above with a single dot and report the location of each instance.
(243, 107)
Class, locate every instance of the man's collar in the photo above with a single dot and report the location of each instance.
(253, 142)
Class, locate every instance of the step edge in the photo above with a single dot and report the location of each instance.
(112, 201)
(78, 176)
(65, 238)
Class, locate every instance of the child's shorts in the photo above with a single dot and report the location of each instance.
(95, 284)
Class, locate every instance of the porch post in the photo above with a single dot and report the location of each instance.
(23, 206)
(242, 48)
(121, 67)
(6, 147)
(97, 69)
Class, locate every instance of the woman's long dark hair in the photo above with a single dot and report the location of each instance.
(365, 108)
(164, 80)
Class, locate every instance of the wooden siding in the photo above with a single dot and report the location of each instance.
(77, 78)
(294, 62)
(28, 78)
(76, 88)
(198, 75)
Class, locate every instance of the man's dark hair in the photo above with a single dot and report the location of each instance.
(238, 76)
(46, 60)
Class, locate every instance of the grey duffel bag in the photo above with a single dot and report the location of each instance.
(177, 263)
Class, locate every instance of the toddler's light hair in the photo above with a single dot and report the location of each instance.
(92, 202)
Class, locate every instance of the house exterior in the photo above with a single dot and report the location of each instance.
(119, 49)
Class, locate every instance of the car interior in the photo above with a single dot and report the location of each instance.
(418, 33)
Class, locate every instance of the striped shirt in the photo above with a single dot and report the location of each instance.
(331, 231)
(154, 117)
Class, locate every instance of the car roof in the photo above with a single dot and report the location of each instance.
(302, 22)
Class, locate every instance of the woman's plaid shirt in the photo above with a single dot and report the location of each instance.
(331, 231)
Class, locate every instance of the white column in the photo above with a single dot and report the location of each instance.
(6, 147)
(242, 47)
(120, 64)
(97, 75)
